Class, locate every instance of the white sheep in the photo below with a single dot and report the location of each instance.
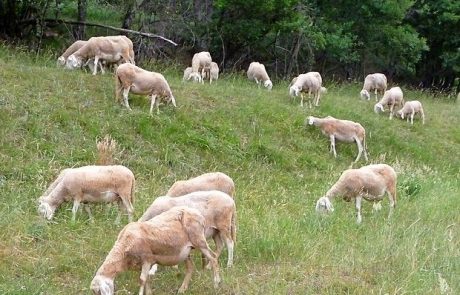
(257, 72)
(131, 78)
(201, 66)
(167, 239)
(112, 49)
(218, 209)
(411, 108)
(342, 130)
(205, 182)
(214, 71)
(376, 82)
(391, 98)
(369, 182)
(309, 82)
(187, 73)
(91, 184)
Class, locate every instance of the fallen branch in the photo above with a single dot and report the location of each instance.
(61, 21)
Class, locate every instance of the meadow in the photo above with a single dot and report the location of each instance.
(51, 118)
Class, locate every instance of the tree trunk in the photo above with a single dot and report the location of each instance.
(79, 33)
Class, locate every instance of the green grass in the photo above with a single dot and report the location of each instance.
(51, 118)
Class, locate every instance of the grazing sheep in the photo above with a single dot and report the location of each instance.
(411, 108)
(201, 66)
(214, 71)
(309, 82)
(130, 78)
(218, 209)
(368, 182)
(257, 72)
(391, 98)
(112, 49)
(205, 182)
(167, 239)
(90, 184)
(376, 82)
(342, 130)
(70, 50)
(187, 73)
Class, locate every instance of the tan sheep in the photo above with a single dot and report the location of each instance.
(112, 49)
(411, 108)
(256, 72)
(130, 78)
(391, 98)
(342, 130)
(205, 182)
(166, 239)
(201, 66)
(309, 82)
(376, 82)
(218, 209)
(369, 182)
(90, 184)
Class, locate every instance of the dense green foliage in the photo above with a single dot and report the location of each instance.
(412, 41)
(51, 118)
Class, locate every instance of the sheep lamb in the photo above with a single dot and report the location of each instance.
(90, 184)
(112, 49)
(376, 82)
(411, 108)
(218, 209)
(131, 78)
(201, 66)
(187, 73)
(391, 98)
(342, 130)
(256, 72)
(205, 182)
(369, 182)
(166, 239)
(309, 82)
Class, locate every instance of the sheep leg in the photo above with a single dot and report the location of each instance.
(358, 208)
(391, 111)
(309, 99)
(125, 98)
(317, 98)
(332, 138)
(376, 98)
(128, 207)
(188, 275)
(301, 99)
(412, 117)
(152, 102)
(76, 204)
(230, 245)
(102, 68)
(88, 210)
(144, 276)
(219, 246)
(96, 61)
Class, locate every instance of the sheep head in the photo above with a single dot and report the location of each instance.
(195, 77)
(268, 84)
(378, 108)
(101, 285)
(324, 204)
(400, 113)
(73, 62)
(45, 209)
(365, 94)
(294, 90)
(61, 61)
(311, 120)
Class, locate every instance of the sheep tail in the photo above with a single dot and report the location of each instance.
(118, 87)
(233, 227)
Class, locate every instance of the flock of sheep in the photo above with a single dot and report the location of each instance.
(201, 207)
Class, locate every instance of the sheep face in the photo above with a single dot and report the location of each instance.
(45, 210)
(61, 61)
(378, 108)
(294, 90)
(365, 94)
(324, 205)
(101, 285)
(73, 62)
(311, 120)
(268, 84)
(400, 113)
(195, 77)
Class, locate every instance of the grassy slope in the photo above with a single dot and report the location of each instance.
(51, 118)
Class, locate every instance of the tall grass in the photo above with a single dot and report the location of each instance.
(52, 119)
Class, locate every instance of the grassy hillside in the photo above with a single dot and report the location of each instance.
(51, 119)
